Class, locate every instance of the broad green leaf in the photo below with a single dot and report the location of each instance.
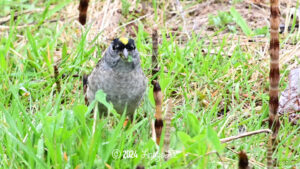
(80, 111)
(193, 124)
(40, 148)
(101, 97)
(33, 45)
(184, 138)
(214, 140)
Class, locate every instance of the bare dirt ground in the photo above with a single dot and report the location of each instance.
(105, 20)
(185, 19)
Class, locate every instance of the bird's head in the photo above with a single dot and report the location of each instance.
(125, 48)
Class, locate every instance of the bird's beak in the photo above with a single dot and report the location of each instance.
(125, 54)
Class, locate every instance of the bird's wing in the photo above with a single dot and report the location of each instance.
(85, 80)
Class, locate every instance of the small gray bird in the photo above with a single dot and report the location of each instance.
(120, 76)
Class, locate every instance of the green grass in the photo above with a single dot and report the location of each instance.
(43, 128)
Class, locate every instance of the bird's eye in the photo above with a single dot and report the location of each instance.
(115, 47)
(131, 47)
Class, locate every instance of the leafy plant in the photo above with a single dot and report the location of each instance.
(222, 20)
(239, 20)
(261, 31)
(226, 20)
(125, 7)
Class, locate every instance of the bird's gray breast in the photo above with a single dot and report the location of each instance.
(122, 88)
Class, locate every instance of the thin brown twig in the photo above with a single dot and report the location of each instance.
(57, 81)
(155, 68)
(7, 18)
(124, 25)
(4, 27)
(168, 119)
(182, 14)
(63, 76)
(228, 139)
(261, 5)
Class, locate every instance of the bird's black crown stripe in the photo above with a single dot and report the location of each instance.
(119, 45)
